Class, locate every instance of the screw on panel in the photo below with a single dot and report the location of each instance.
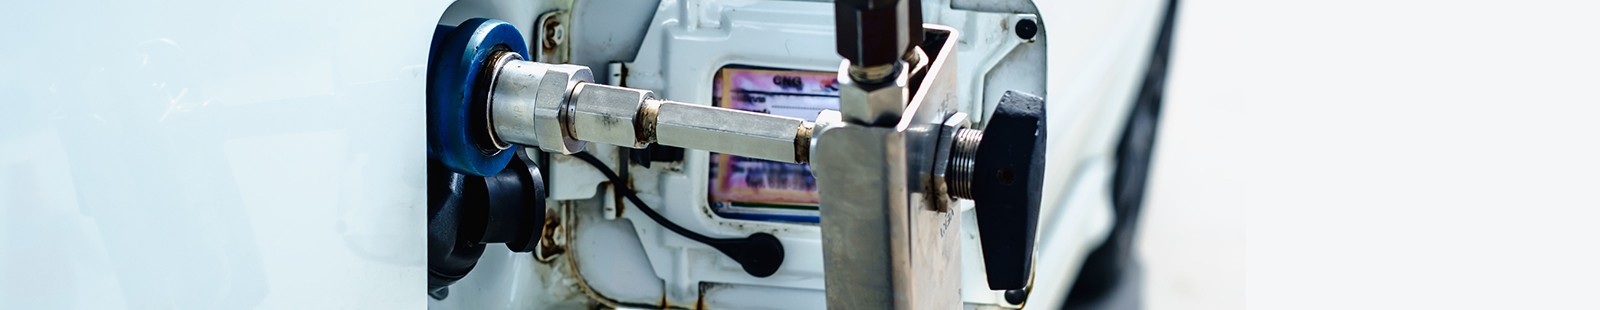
(1026, 29)
(1016, 297)
(552, 37)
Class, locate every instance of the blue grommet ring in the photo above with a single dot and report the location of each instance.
(457, 118)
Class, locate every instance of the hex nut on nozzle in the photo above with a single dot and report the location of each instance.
(529, 104)
(552, 109)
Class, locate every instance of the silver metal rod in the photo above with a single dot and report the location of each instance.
(730, 131)
(609, 114)
(558, 108)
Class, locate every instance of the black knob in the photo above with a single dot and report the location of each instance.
(1007, 173)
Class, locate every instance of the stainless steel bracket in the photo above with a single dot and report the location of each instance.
(886, 241)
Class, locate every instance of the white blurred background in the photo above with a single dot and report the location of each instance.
(1378, 155)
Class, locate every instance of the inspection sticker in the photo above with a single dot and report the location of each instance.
(757, 189)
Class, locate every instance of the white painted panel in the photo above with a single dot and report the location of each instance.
(213, 154)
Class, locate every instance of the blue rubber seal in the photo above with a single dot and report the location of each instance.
(457, 120)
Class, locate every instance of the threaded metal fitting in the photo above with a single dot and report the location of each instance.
(963, 161)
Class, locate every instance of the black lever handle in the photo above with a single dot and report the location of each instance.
(1007, 175)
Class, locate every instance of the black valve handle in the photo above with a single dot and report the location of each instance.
(1006, 188)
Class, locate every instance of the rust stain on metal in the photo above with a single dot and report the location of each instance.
(549, 247)
(746, 226)
(645, 125)
(618, 197)
(700, 301)
(620, 204)
(706, 211)
(601, 301)
(802, 142)
(553, 35)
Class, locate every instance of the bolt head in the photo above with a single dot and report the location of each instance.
(1026, 29)
(873, 104)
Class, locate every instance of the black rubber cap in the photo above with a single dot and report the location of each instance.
(1006, 184)
(760, 254)
(515, 202)
(467, 212)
